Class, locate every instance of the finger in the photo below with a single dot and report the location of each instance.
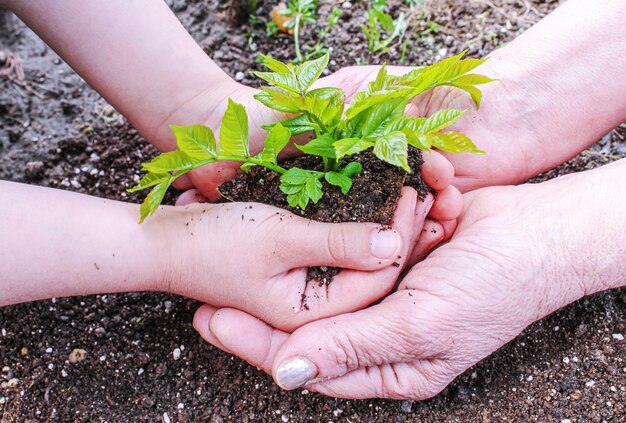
(437, 171)
(190, 197)
(352, 290)
(448, 204)
(183, 183)
(418, 380)
(208, 178)
(361, 246)
(432, 234)
(449, 227)
(247, 337)
(389, 332)
(201, 321)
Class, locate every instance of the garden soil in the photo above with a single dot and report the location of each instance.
(144, 362)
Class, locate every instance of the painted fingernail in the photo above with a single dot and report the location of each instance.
(385, 243)
(295, 373)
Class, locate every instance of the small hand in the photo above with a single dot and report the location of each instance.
(255, 258)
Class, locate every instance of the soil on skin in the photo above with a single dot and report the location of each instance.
(571, 365)
(372, 198)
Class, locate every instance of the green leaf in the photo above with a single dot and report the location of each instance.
(386, 22)
(153, 199)
(372, 121)
(290, 189)
(295, 176)
(286, 81)
(440, 120)
(340, 180)
(326, 103)
(472, 79)
(234, 130)
(417, 140)
(196, 141)
(168, 162)
(298, 125)
(276, 65)
(393, 149)
(276, 140)
(321, 146)
(453, 142)
(349, 146)
(283, 101)
(313, 189)
(300, 199)
(352, 169)
(403, 122)
(310, 71)
(247, 166)
(149, 180)
(363, 101)
(474, 92)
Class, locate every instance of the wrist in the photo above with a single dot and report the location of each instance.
(579, 247)
(198, 106)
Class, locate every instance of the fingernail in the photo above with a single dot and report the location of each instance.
(385, 243)
(295, 373)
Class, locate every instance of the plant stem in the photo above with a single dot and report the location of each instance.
(254, 160)
(296, 37)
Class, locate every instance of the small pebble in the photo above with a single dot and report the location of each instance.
(48, 350)
(284, 418)
(51, 366)
(12, 383)
(618, 336)
(140, 372)
(166, 418)
(590, 384)
(239, 76)
(75, 183)
(346, 5)
(4, 332)
(77, 355)
(181, 406)
(566, 360)
(63, 373)
(176, 353)
(168, 305)
(103, 358)
(566, 421)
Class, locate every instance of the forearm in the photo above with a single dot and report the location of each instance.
(55, 243)
(585, 240)
(136, 54)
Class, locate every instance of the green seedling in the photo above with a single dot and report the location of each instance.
(300, 13)
(374, 120)
(381, 29)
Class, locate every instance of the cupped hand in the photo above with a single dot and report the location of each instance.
(505, 267)
(255, 257)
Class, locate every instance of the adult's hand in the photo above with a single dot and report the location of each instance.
(519, 254)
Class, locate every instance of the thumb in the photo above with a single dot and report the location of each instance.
(385, 333)
(359, 246)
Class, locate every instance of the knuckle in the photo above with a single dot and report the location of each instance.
(340, 243)
(345, 352)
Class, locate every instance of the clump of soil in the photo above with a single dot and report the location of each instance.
(372, 198)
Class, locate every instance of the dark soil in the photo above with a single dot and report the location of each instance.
(372, 198)
(568, 366)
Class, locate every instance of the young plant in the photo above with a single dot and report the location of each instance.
(300, 13)
(374, 120)
(380, 24)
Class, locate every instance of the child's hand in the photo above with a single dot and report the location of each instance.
(255, 257)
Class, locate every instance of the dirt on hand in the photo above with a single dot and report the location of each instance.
(144, 362)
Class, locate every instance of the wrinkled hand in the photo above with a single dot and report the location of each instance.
(504, 268)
